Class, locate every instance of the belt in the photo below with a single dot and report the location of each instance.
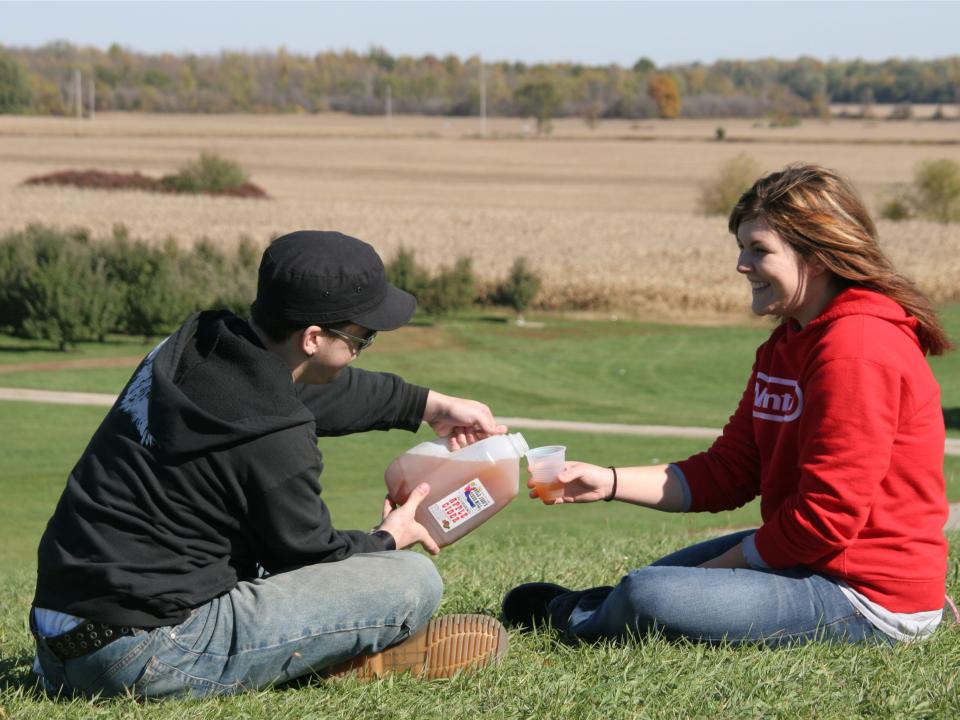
(85, 638)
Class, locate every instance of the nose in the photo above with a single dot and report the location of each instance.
(743, 262)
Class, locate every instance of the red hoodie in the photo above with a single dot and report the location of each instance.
(841, 433)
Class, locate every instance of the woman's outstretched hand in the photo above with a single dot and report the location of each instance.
(582, 483)
(655, 486)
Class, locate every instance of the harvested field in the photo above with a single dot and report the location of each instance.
(607, 216)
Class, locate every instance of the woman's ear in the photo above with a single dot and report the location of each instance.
(815, 265)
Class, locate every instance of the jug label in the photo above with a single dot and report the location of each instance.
(461, 505)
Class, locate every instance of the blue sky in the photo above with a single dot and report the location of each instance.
(588, 32)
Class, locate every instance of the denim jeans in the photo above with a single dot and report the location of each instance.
(673, 596)
(264, 632)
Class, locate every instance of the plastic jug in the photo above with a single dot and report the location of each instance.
(467, 486)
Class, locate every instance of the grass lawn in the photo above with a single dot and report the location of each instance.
(601, 371)
(572, 371)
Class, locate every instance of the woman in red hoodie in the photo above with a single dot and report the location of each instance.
(839, 431)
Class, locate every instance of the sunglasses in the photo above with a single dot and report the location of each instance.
(362, 343)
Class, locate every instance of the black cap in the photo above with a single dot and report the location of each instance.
(320, 278)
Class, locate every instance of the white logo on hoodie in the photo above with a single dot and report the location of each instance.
(136, 400)
(776, 398)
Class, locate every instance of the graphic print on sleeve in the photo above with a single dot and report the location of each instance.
(136, 398)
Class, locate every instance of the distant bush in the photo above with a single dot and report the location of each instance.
(404, 272)
(221, 280)
(540, 99)
(210, 173)
(64, 287)
(519, 288)
(937, 184)
(934, 195)
(452, 289)
(721, 193)
(156, 298)
(898, 206)
(15, 261)
(54, 287)
(784, 120)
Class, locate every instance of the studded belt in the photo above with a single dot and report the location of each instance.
(85, 638)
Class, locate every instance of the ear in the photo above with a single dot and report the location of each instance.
(310, 339)
(815, 265)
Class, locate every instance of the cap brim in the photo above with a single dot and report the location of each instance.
(395, 311)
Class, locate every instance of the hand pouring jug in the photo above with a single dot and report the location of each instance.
(467, 486)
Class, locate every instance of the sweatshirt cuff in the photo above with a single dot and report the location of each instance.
(385, 538)
(684, 486)
(752, 555)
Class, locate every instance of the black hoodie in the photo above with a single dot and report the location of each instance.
(206, 466)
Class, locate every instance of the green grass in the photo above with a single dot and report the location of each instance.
(15, 350)
(601, 371)
(567, 370)
(578, 546)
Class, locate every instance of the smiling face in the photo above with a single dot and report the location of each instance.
(783, 282)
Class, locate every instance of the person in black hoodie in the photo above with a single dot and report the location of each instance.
(191, 553)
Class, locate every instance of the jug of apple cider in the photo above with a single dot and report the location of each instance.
(467, 486)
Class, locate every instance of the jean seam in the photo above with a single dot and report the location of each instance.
(156, 668)
(313, 635)
(173, 641)
(799, 633)
(121, 664)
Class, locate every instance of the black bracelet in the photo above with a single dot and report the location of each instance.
(613, 490)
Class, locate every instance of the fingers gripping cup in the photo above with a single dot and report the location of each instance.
(544, 464)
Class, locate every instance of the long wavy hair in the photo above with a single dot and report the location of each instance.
(821, 215)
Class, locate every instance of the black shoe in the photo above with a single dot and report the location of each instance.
(526, 605)
(951, 616)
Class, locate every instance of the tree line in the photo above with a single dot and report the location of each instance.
(40, 81)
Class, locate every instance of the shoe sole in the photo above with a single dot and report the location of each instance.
(446, 646)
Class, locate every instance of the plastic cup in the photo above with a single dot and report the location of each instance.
(544, 464)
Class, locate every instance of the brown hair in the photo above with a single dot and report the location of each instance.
(820, 214)
(273, 326)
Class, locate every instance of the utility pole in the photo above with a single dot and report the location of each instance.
(93, 99)
(483, 99)
(389, 108)
(78, 93)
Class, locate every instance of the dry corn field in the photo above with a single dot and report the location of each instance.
(607, 216)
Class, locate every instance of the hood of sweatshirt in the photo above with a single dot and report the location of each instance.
(211, 385)
(860, 301)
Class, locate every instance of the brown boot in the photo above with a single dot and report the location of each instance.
(445, 646)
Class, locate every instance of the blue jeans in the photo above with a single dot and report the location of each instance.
(264, 632)
(680, 600)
